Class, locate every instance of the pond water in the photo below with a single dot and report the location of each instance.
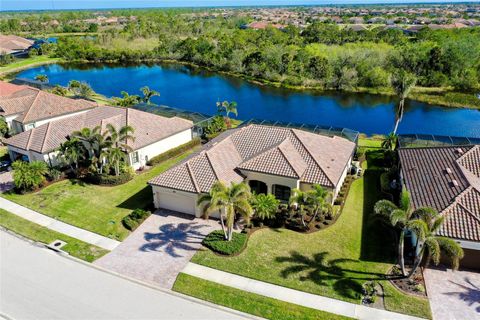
(198, 90)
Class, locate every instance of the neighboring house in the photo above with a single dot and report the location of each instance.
(270, 159)
(14, 45)
(28, 107)
(448, 180)
(153, 134)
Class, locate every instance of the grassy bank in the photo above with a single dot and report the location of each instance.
(26, 63)
(247, 302)
(99, 209)
(35, 232)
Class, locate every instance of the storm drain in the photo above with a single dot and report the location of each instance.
(56, 245)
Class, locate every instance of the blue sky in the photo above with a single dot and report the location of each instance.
(91, 4)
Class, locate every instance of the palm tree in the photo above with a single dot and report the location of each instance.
(211, 202)
(430, 221)
(402, 217)
(116, 155)
(148, 94)
(402, 83)
(88, 137)
(41, 77)
(227, 108)
(126, 100)
(73, 152)
(232, 200)
(73, 84)
(300, 199)
(120, 138)
(390, 142)
(265, 205)
(84, 90)
(318, 197)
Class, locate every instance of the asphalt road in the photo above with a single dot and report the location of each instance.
(36, 283)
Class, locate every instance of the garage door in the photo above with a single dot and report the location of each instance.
(177, 202)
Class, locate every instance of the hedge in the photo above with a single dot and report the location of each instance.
(109, 180)
(216, 242)
(174, 152)
(134, 219)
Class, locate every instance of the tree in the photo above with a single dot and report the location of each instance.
(84, 90)
(402, 83)
(148, 94)
(73, 84)
(126, 100)
(318, 197)
(233, 200)
(115, 156)
(390, 141)
(120, 138)
(264, 205)
(429, 222)
(29, 175)
(402, 217)
(73, 151)
(300, 199)
(227, 108)
(211, 202)
(59, 90)
(41, 77)
(3, 127)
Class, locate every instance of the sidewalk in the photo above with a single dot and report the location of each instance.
(65, 228)
(305, 299)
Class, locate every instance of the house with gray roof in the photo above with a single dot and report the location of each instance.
(270, 159)
(448, 180)
(153, 134)
(24, 108)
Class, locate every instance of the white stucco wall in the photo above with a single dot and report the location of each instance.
(270, 180)
(160, 147)
(9, 119)
(342, 178)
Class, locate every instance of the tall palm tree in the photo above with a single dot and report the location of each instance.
(211, 202)
(319, 197)
(430, 221)
(41, 77)
(227, 108)
(233, 200)
(120, 138)
(402, 217)
(126, 100)
(402, 83)
(73, 152)
(300, 199)
(88, 137)
(148, 94)
(390, 141)
(115, 156)
(265, 206)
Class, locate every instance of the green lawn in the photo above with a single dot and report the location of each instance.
(370, 142)
(333, 262)
(20, 64)
(99, 209)
(36, 232)
(247, 302)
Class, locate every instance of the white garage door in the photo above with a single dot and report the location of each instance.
(177, 202)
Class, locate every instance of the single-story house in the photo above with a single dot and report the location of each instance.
(28, 107)
(270, 159)
(153, 134)
(14, 45)
(448, 180)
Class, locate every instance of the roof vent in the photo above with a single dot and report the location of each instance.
(454, 183)
(448, 171)
(459, 150)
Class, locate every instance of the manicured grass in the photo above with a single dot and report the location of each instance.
(247, 302)
(33, 231)
(21, 63)
(99, 209)
(370, 142)
(333, 262)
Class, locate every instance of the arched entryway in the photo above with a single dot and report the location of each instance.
(258, 187)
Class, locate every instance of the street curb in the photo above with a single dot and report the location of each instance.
(133, 280)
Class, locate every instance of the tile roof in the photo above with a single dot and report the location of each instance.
(149, 128)
(272, 150)
(447, 179)
(33, 105)
(7, 88)
(11, 43)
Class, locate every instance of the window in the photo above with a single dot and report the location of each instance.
(135, 158)
(282, 193)
(258, 186)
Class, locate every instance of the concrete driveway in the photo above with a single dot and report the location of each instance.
(160, 248)
(6, 181)
(453, 295)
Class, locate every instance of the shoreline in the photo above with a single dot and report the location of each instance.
(431, 96)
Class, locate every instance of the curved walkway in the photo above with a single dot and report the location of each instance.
(305, 299)
(62, 227)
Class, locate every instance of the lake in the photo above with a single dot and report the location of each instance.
(198, 90)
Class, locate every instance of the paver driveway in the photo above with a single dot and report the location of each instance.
(160, 248)
(453, 295)
(6, 181)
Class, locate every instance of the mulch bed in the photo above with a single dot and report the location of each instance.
(415, 285)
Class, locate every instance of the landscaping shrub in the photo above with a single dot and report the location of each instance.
(216, 242)
(174, 152)
(134, 219)
(29, 175)
(110, 180)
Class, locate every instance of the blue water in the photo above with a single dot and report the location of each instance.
(198, 90)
